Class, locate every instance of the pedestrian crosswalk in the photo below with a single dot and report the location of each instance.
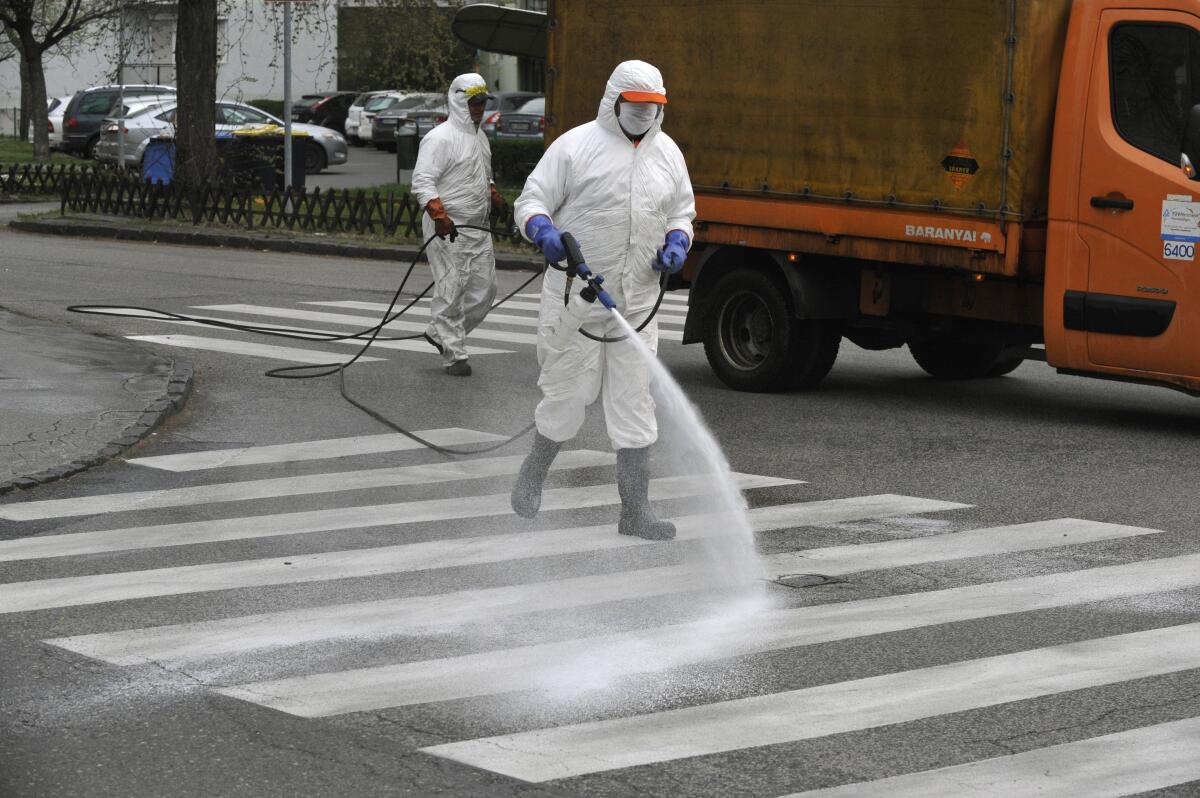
(544, 577)
(510, 329)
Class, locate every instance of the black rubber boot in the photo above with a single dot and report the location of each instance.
(527, 493)
(633, 483)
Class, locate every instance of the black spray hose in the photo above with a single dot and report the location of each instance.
(577, 267)
(370, 334)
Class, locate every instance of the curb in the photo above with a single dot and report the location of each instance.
(213, 239)
(179, 387)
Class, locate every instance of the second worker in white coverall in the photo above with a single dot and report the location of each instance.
(620, 186)
(452, 180)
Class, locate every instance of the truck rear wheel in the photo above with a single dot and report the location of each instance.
(754, 343)
(957, 360)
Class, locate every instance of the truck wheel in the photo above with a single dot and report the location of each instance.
(956, 360)
(754, 343)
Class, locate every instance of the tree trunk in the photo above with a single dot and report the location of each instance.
(38, 116)
(26, 105)
(196, 81)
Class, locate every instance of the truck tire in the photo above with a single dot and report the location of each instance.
(957, 360)
(754, 343)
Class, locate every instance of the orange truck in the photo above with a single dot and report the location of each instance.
(972, 179)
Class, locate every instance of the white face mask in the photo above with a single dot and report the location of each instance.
(636, 118)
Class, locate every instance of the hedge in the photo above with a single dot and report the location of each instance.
(513, 160)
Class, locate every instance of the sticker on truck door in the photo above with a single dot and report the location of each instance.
(1179, 250)
(1180, 220)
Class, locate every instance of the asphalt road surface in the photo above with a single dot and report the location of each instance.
(994, 586)
(365, 166)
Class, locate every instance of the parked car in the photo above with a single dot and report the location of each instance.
(354, 114)
(328, 109)
(500, 102)
(55, 107)
(383, 126)
(87, 110)
(325, 146)
(527, 122)
(386, 102)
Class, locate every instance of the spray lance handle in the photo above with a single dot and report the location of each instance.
(576, 266)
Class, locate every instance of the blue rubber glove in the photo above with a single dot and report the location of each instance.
(543, 233)
(672, 253)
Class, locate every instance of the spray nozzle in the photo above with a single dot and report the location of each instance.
(576, 267)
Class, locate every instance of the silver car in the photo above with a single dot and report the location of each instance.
(325, 147)
(354, 114)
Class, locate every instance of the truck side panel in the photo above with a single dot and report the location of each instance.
(896, 102)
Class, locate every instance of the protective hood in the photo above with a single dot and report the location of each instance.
(461, 89)
(630, 76)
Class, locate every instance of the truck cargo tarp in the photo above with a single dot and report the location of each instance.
(891, 100)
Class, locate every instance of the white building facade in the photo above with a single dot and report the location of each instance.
(141, 46)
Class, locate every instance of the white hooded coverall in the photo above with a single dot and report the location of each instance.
(455, 163)
(618, 200)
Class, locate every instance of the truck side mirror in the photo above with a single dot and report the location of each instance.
(1189, 159)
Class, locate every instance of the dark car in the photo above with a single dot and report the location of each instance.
(328, 109)
(88, 109)
(385, 123)
(527, 122)
(500, 102)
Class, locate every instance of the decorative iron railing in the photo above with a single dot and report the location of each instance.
(331, 211)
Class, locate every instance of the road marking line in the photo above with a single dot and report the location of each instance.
(775, 718)
(499, 318)
(1124, 763)
(332, 520)
(313, 450)
(365, 321)
(554, 665)
(315, 334)
(99, 588)
(361, 619)
(311, 356)
(837, 560)
(672, 297)
(305, 485)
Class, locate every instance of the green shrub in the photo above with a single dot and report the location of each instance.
(513, 160)
(272, 107)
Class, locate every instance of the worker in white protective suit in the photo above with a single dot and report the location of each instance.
(452, 181)
(620, 186)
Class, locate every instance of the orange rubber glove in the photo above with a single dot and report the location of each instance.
(499, 204)
(442, 224)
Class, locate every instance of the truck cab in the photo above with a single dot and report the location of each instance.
(1121, 292)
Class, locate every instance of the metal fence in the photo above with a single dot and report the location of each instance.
(43, 178)
(313, 211)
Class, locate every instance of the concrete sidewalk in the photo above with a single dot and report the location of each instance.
(70, 400)
(128, 229)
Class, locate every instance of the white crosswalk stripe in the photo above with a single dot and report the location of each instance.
(233, 347)
(665, 316)
(313, 450)
(676, 298)
(661, 648)
(575, 750)
(634, 571)
(313, 333)
(247, 490)
(362, 322)
(397, 514)
(1115, 765)
(517, 312)
(366, 618)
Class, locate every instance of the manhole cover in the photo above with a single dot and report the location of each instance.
(807, 580)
